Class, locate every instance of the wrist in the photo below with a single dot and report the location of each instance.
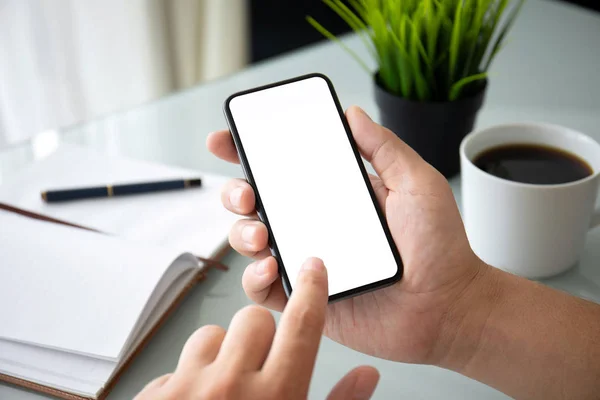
(464, 324)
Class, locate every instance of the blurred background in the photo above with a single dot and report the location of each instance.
(66, 61)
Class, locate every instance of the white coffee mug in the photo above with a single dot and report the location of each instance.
(531, 230)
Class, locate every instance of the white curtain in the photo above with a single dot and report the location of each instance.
(65, 61)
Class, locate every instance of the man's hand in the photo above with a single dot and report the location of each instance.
(252, 361)
(449, 309)
(413, 320)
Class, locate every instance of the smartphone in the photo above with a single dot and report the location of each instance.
(312, 190)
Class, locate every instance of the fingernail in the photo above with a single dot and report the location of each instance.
(235, 197)
(313, 264)
(261, 267)
(248, 233)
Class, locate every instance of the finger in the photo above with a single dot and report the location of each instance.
(220, 143)
(150, 388)
(390, 157)
(381, 192)
(201, 348)
(250, 238)
(248, 340)
(262, 284)
(358, 384)
(256, 255)
(238, 196)
(296, 342)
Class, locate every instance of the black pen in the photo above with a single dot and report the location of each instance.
(55, 196)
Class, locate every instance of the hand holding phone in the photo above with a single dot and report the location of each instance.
(411, 320)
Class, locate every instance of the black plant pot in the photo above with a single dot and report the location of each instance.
(433, 129)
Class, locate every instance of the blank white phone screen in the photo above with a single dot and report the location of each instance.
(307, 176)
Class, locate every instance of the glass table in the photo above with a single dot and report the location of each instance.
(547, 72)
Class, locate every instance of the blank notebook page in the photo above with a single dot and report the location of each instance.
(71, 289)
(192, 220)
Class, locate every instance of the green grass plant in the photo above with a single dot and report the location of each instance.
(427, 50)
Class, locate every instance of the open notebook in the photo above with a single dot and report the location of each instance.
(75, 305)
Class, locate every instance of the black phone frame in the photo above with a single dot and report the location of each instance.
(263, 215)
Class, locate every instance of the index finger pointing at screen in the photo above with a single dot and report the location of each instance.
(296, 342)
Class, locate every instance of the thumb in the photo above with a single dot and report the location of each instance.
(358, 384)
(389, 155)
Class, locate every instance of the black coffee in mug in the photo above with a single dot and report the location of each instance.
(531, 163)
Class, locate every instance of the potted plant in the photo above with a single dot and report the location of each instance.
(432, 57)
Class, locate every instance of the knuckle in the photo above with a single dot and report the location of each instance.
(259, 296)
(307, 319)
(201, 335)
(179, 388)
(256, 311)
(279, 390)
(212, 330)
(177, 393)
(249, 280)
(275, 388)
(155, 383)
(226, 386)
(161, 380)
